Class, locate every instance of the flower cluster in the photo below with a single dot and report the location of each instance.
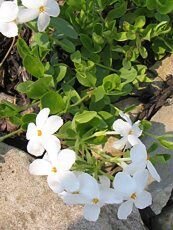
(11, 14)
(79, 188)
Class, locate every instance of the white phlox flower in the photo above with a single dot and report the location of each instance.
(40, 135)
(8, 15)
(132, 190)
(57, 169)
(129, 132)
(139, 158)
(92, 194)
(41, 9)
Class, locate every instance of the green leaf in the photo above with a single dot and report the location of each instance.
(24, 86)
(53, 101)
(16, 120)
(66, 45)
(40, 87)
(98, 93)
(28, 118)
(111, 82)
(62, 27)
(85, 117)
(34, 66)
(22, 48)
(86, 73)
(60, 72)
(120, 9)
(160, 158)
(140, 21)
(86, 41)
(145, 125)
(42, 39)
(165, 143)
(153, 147)
(76, 57)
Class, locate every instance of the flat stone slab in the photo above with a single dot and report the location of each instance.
(164, 67)
(162, 123)
(27, 203)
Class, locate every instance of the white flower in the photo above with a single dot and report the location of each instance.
(8, 15)
(138, 155)
(128, 131)
(42, 9)
(92, 194)
(132, 191)
(41, 136)
(57, 170)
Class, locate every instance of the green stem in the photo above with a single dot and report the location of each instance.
(150, 135)
(10, 134)
(102, 66)
(80, 101)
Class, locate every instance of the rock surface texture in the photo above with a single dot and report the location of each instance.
(164, 67)
(162, 123)
(26, 202)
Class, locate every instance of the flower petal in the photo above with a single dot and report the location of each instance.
(125, 209)
(53, 182)
(9, 29)
(26, 15)
(35, 148)
(52, 145)
(133, 140)
(121, 127)
(53, 123)
(72, 199)
(141, 179)
(32, 4)
(143, 200)
(88, 186)
(42, 117)
(52, 8)
(8, 11)
(1, 1)
(125, 117)
(120, 144)
(66, 158)
(43, 22)
(134, 167)
(124, 184)
(109, 196)
(153, 171)
(69, 181)
(136, 130)
(138, 153)
(40, 167)
(91, 212)
(31, 131)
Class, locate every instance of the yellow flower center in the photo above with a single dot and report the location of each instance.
(95, 200)
(39, 132)
(42, 9)
(130, 132)
(133, 196)
(75, 192)
(54, 170)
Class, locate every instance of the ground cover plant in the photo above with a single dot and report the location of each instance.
(81, 57)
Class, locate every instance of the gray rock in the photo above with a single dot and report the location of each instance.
(26, 202)
(164, 221)
(162, 123)
(164, 67)
(128, 102)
